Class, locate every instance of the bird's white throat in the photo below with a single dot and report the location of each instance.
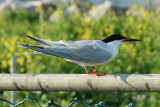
(115, 47)
(116, 44)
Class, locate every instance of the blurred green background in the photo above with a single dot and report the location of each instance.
(134, 58)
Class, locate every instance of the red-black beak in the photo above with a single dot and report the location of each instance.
(129, 39)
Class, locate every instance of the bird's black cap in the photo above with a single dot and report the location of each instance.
(113, 37)
(118, 37)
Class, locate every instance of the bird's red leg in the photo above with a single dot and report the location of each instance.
(89, 73)
(98, 74)
(94, 69)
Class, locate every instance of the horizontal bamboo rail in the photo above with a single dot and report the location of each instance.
(80, 82)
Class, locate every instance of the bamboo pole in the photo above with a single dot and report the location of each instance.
(80, 82)
(13, 94)
(41, 19)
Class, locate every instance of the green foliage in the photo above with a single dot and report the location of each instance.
(140, 57)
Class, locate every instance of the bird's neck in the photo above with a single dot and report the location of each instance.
(116, 44)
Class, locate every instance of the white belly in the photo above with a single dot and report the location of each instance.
(90, 63)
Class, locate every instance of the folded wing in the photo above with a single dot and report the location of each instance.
(89, 50)
(45, 42)
(83, 51)
(59, 51)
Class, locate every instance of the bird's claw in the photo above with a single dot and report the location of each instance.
(100, 74)
(89, 73)
(97, 74)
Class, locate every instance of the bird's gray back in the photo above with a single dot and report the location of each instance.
(89, 51)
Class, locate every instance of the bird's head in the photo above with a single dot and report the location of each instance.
(118, 38)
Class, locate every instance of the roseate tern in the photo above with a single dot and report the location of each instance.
(82, 52)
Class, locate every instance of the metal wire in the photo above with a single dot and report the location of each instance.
(35, 100)
(14, 105)
(51, 103)
(75, 100)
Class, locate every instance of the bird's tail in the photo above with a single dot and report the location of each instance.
(34, 47)
(30, 53)
(47, 50)
(12, 46)
(42, 41)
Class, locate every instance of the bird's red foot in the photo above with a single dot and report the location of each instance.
(89, 73)
(100, 74)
